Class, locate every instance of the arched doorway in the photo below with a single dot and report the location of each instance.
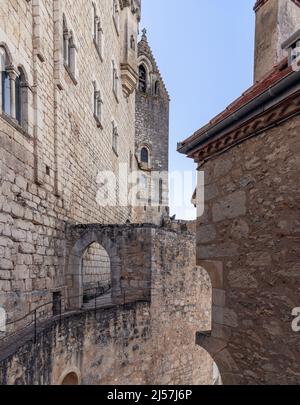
(70, 378)
(96, 275)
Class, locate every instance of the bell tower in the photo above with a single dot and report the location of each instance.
(276, 21)
(151, 138)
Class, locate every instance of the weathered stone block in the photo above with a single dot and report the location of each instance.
(230, 207)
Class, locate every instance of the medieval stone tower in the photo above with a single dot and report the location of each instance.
(151, 137)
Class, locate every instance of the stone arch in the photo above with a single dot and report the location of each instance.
(96, 273)
(74, 272)
(7, 55)
(215, 340)
(71, 376)
(143, 61)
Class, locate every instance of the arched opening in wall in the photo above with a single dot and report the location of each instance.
(157, 88)
(142, 79)
(70, 379)
(96, 276)
(145, 156)
(216, 376)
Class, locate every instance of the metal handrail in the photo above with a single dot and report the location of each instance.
(34, 313)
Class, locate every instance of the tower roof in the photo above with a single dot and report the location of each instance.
(144, 49)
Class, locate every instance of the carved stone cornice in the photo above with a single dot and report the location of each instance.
(129, 79)
(271, 117)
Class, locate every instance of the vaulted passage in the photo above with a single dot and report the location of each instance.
(96, 274)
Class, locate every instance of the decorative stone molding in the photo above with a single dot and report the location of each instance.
(252, 127)
(129, 79)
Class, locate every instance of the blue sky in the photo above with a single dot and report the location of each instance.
(204, 50)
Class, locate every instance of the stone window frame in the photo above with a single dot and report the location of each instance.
(115, 80)
(143, 82)
(143, 165)
(70, 50)
(143, 60)
(18, 113)
(97, 105)
(115, 138)
(98, 35)
(160, 191)
(156, 88)
(116, 16)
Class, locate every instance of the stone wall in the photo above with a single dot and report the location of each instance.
(152, 132)
(248, 241)
(136, 343)
(49, 175)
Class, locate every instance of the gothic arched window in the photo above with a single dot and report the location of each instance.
(144, 155)
(65, 41)
(142, 79)
(116, 15)
(97, 105)
(160, 191)
(13, 90)
(5, 82)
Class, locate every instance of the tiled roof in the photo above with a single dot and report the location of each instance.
(275, 75)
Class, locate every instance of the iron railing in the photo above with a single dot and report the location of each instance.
(41, 315)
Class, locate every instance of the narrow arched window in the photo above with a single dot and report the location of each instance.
(116, 16)
(115, 136)
(18, 100)
(144, 155)
(115, 80)
(5, 92)
(13, 91)
(65, 41)
(142, 79)
(5, 82)
(98, 32)
(71, 53)
(160, 191)
(97, 105)
(157, 88)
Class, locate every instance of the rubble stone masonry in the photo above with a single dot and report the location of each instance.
(248, 241)
(147, 342)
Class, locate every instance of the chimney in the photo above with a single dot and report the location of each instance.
(276, 21)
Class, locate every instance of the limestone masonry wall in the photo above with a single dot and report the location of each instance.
(248, 240)
(141, 343)
(49, 176)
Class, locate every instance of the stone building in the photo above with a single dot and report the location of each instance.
(67, 114)
(152, 137)
(75, 272)
(248, 235)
